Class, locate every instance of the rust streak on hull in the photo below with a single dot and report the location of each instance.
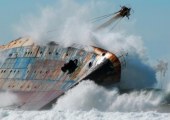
(37, 76)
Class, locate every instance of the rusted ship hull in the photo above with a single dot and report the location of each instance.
(38, 75)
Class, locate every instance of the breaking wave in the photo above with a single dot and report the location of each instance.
(88, 100)
(87, 96)
(7, 98)
(80, 115)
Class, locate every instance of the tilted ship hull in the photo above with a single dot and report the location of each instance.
(38, 75)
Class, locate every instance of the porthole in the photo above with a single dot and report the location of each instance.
(10, 54)
(49, 53)
(103, 54)
(2, 71)
(90, 64)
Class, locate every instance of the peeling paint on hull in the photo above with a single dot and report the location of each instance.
(33, 72)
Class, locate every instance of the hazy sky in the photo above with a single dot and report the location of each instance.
(152, 20)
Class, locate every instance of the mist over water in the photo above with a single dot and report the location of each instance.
(87, 96)
(7, 99)
(67, 23)
(138, 72)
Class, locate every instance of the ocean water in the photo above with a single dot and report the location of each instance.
(89, 101)
(81, 115)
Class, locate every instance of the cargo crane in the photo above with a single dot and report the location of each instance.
(39, 74)
(123, 12)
